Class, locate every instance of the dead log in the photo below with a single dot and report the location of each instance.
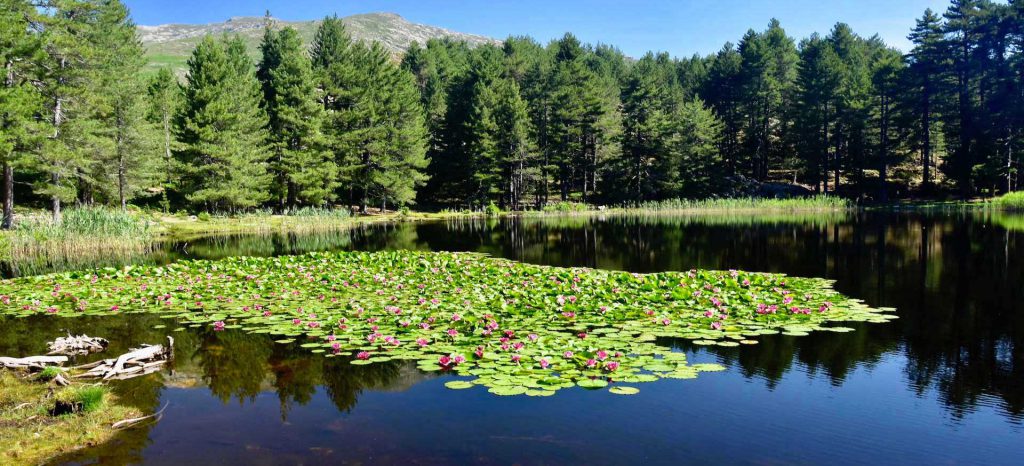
(77, 345)
(33, 362)
(139, 361)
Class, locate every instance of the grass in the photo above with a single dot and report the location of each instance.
(50, 373)
(83, 236)
(1010, 201)
(86, 399)
(32, 435)
(812, 203)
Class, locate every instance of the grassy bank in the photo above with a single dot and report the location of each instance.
(83, 235)
(37, 425)
(1011, 201)
(700, 206)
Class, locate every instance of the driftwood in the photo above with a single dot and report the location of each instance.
(77, 345)
(33, 362)
(136, 421)
(140, 361)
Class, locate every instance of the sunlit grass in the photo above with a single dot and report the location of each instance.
(83, 235)
(32, 435)
(1010, 201)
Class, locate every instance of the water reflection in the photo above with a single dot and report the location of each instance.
(955, 279)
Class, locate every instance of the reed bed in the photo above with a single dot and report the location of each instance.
(1010, 201)
(84, 236)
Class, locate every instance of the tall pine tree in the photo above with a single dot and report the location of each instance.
(223, 129)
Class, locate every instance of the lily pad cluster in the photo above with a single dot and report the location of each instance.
(517, 329)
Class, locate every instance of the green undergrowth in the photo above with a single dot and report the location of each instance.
(514, 328)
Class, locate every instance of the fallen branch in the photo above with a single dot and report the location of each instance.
(77, 346)
(135, 421)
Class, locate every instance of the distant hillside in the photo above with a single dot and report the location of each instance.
(171, 44)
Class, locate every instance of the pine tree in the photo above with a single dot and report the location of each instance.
(131, 166)
(222, 129)
(334, 68)
(697, 145)
(722, 92)
(887, 82)
(377, 124)
(768, 72)
(515, 144)
(305, 170)
(818, 78)
(163, 95)
(648, 166)
(67, 86)
(927, 60)
(20, 52)
(961, 41)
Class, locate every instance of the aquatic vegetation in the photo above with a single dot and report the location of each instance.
(518, 329)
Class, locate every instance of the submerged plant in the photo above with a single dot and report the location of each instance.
(517, 328)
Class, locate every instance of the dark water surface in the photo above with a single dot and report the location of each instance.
(942, 384)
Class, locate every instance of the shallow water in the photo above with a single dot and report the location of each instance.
(944, 383)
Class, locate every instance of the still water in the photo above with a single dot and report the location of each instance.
(942, 384)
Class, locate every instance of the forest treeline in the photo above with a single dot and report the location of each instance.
(519, 123)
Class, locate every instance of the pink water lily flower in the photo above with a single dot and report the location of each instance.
(218, 326)
(364, 355)
(602, 355)
(544, 363)
(516, 358)
(422, 342)
(568, 354)
(716, 325)
(611, 366)
(591, 363)
(532, 337)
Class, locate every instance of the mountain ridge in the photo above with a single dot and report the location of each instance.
(171, 44)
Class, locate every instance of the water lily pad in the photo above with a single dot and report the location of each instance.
(620, 390)
(450, 311)
(508, 391)
(459, 385)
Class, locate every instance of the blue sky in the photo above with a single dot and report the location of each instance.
(681, 27)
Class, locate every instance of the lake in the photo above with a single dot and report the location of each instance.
(944, 383)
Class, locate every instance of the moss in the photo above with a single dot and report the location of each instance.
(31, 435)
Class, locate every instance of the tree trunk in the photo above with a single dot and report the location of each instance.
(883, 172)
(926, 151)
(122, 182)
(8, 181)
